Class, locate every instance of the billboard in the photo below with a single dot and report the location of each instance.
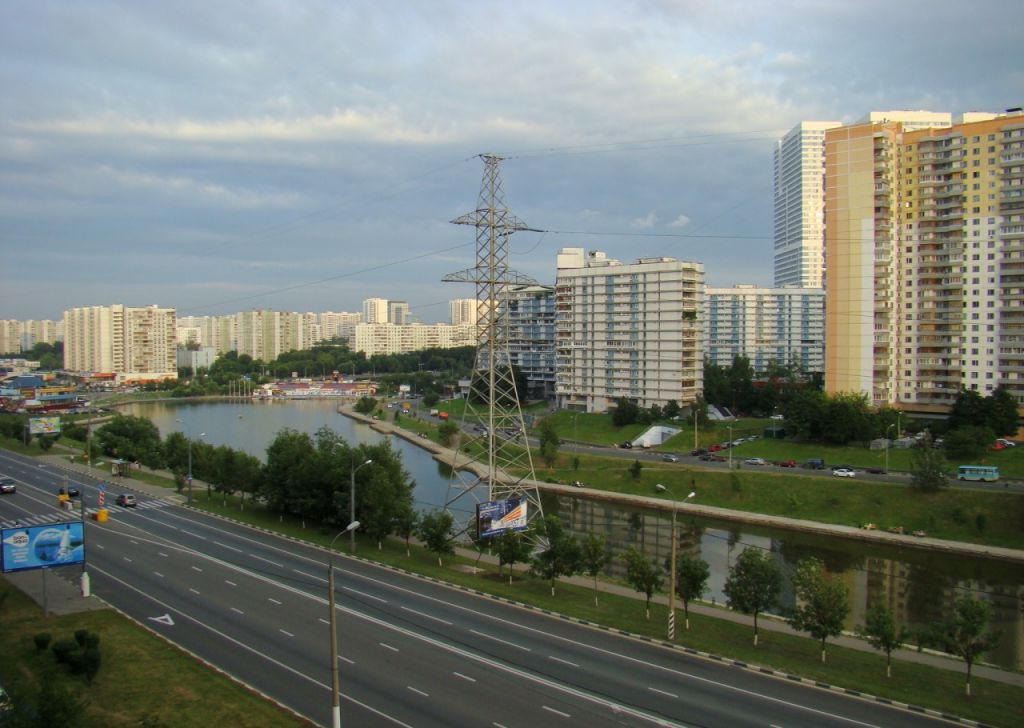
(41, 547)
(493, 518)
(43, 425)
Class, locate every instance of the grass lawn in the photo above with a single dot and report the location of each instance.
(991, 702)
(140, 673)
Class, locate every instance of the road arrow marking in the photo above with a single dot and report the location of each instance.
(165, 619)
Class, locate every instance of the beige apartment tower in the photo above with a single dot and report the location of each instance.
(925, 248)
(136, 344)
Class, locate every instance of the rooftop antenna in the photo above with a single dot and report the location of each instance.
(496, 464)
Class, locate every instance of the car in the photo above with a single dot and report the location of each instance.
(669, 458)
(126, 500)
(7, 485)
(577, 484)
(875, 471)
(756, 461)
(777, 417)
(699, 451)
(843, 472)
(1006, 443)
(786, 463)
(998, 446)
(711, 457)
(714, 448)
(71, 491)
(735, 443)
(627, 445)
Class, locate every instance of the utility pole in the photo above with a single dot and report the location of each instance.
(493, 400)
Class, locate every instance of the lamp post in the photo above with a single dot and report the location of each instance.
(672, 562)
(694, 426)
(188, 436)
(352, 504)
(335, 700)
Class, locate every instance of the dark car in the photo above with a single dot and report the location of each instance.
(627, 445)
(71, 491)
(126, 500)
(7, 485)
(699, 451)
(875, 471)
(786, 463)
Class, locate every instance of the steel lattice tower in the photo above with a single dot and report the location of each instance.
(495, 464)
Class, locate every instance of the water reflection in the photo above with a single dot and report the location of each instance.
(919, 586)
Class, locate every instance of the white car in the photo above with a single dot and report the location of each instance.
(1006, 443)
(669, 458)
(756, 461)
(843, 473)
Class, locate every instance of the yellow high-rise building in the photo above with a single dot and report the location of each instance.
(924, 247)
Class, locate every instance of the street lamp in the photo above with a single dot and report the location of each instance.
(672, 564)
(335, 704)
(352, 504)
(188, 436)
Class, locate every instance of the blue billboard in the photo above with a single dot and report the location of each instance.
(41, 547)
(493, 518)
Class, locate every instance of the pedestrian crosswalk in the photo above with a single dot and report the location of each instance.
(42, 519)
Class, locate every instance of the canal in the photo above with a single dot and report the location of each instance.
(919, 586)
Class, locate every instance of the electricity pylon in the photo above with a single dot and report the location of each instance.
(495, 464)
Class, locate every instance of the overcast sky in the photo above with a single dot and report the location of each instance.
(223, 156)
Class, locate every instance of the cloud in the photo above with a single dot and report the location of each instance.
(645, 222)
(680, 222)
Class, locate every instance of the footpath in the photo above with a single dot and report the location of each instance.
(64, 596)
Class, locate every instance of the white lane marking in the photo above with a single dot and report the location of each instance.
(237, 610)
(285, 632)
(244, 646)
(418, 692)
(224, 545)
(196, 535)
(564, 662)
(230, 583)
(127, 559)
(499, 639)
(556, 712)
(162, 554)
(364, 594)
(427, 616)
(464, 677)
(272, 563)
(275, 601)
(100, 547)
(157, 573)
(133, 541)
(324, 621)
(388, 647)
(345, 659)
(193, 590)
(310, 576)
(662, 692)
(196, 568)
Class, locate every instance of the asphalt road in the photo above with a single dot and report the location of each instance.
(412, 652)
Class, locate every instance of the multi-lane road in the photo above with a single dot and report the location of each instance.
(411, 652)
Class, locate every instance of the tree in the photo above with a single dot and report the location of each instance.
(1002, 412)
(131, 438)
(671, 409)
(625, 412)
(512, 549)
(692, 574)
(549, 442)
(366, 405)
(635, 469)
(595, 554)
(447, 432)
(643, 575)
(822, 602)
(753, 584)
(406, 521)
(964, 634)
(562, 555)
(968, 441)
(927, 466)
(435, 530)
(880, 630)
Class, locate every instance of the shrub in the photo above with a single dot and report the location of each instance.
(42, 641)
(92, 642)
(62, 648)
(76, 661)
(80, 636)
(91, 662)
(959, 516)
(980, 521)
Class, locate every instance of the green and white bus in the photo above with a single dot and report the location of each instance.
(985, 473)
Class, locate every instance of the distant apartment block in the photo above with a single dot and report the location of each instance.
(627, 330)
(463, 311)
(783, 326)
(398, 313)
(375, 311)
(339, 325)
(925, 249)
(531, 337)
(135, 344)
(386, 338)
(18, 336)
(10, 336)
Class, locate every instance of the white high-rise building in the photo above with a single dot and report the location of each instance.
(463, 311)
(783, 326)
(627, 331)
(398, 313)
(339, 324)
(136, 344)
(374, 339)
(375, 311)
(800, 205)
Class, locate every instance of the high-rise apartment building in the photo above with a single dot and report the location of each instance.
(627, 331)
(339, 324)
(783, 326)
(374, 339)
(530, 316)
(10, 336)
(925, 249)
(463, 311)
(375, 311)
(136, 344)
(799, 183)
(259, 334)
(398, 313)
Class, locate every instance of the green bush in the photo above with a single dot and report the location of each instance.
(62, 648)
(959, 516)
(92, 642)
(76, 661)
(42, 641)
(91, 663)
(80, 636)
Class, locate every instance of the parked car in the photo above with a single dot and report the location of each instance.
(699, 451)
(843, 472)
(577, 484)
(71, 492)
(7, 485)
(627, 445)
(126, 500)
(1006, 443)
(875, 471)
(756, 461)
(998, 446)
(669, 458)
(714, 448)
(710, 457)
(815, 464)
(786, 463)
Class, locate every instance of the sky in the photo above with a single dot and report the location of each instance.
(303, 155)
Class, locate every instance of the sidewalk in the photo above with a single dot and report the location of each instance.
(765, 622)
